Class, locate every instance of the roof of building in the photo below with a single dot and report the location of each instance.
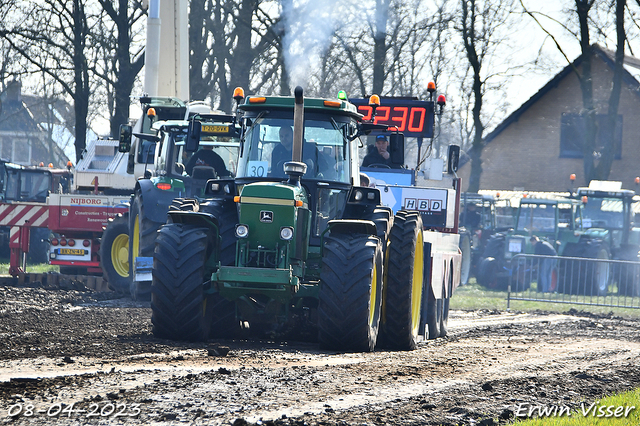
(631, 70)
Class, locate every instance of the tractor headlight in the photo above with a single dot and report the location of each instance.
(242, 231)
(286, 233)
(358, 196)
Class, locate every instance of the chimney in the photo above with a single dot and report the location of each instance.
(13, 91)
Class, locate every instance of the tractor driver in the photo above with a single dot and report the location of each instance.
(378, 155)
(206, 157)
(283, 152)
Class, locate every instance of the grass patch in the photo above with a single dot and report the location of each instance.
(605, 407)
(473, 297)
(40, 268)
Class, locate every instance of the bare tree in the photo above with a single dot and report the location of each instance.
(597, 160)
(123, 59)
(480, 21)
(228, 39)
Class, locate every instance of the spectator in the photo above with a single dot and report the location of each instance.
(546, 265)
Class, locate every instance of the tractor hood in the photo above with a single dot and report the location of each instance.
(266, 209)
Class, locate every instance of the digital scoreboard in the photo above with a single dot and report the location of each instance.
(412, 117)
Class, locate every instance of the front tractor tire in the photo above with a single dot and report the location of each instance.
(350, 296)
(114, 253)
(179, 305)
(404, 282)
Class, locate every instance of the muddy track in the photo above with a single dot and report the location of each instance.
(77, 358)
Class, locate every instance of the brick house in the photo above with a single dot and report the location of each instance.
(27, 126)
(538, 146)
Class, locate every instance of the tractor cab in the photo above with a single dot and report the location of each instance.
(179, 167)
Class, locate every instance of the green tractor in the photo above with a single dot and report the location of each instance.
(554, 219)
(177, 173)
(294, 244)
(607, 218)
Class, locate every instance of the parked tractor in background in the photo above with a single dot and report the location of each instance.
(294, 243)
(553, 219)
(607, 218)
(481, 215)
(177, 173)
(103, 181)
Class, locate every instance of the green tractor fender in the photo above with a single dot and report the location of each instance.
(351, 226)
(159, 200)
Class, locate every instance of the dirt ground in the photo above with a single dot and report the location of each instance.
(69, 357)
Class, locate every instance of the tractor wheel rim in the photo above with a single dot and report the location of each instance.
(120, 255)
(136, 240)
(416, 288)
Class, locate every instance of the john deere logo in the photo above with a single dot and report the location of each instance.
(266, 216)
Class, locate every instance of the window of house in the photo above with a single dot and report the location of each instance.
(21, 151)
(7, 148)
(572, 135)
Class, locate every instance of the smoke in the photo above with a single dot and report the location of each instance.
(309, 26)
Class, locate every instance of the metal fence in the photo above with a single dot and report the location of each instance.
(575, 280)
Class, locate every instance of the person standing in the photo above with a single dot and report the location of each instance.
(546, 265)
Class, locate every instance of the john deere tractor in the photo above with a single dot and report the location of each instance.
(294, 243)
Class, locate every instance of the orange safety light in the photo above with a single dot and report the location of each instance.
(637, 180)
(431, 87)
(236, 199)
(51, 165)
(258, 100)
(69, 164)
(374, 100)
(334, 104)
(442, 101)
(585, 199)
(238, 93)
(299, 203)
(41, 164)
(151, 112)
(572, 177)
(164, 186)
(498, 194)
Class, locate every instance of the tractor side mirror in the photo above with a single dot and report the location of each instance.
(125, 138)
(193, 136)
(396, 148)
(453, 159)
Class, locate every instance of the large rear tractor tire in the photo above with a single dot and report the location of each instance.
(404, 282)
(627, 275)
(491, 263)
(350, 298)
(143, 238)
(599, 275)
(381, 216)
(465, 249)
(585, 277)
(114, 253)
(180, 309)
